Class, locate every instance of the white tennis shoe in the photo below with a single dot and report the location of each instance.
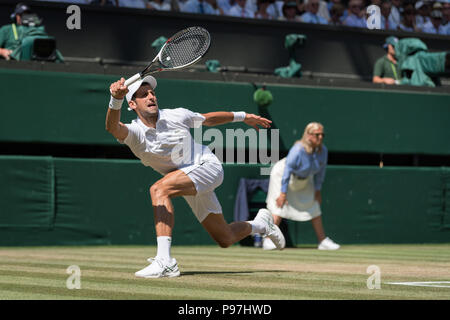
(268, 244)
(272, 231)
(328, 244)
(159, 268)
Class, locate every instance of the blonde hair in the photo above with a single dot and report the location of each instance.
(305, 142)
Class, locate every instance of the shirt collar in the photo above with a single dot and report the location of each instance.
(144, 126)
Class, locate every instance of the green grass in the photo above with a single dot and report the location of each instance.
(209, 272)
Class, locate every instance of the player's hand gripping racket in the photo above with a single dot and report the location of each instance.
(182, 50)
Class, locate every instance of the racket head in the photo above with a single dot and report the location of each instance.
(184, 48)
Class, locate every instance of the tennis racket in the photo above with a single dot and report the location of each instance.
(181, 50)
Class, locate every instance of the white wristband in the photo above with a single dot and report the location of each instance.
(115, 104)
(239, 116)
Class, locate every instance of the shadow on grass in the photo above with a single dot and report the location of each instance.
(305, 247)
(193, 273)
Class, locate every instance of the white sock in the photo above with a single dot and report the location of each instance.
(257, 227)
(164, 244)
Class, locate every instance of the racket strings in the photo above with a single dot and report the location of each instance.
(185, 48)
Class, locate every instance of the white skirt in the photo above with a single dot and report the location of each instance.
(301, 204)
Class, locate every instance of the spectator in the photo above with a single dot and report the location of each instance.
(396, 11)
(408, 22)
(215, 6)
(274, 9)
(226, 5)
(69, 1)
(356, 15)
(435, 24)
(336, 13)
(290, 12)
(387, 23)
(446, 16)
(330, 5)
(105, 3)
(262, 6)
(240, 10)
(202, 7)
(386, 68)
(295, 184)
(422, 16)
(159, 5)
(311, 14)
(446, 13)
(139, 4)
(323, 10)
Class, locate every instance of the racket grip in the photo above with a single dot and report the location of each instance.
(133, 79)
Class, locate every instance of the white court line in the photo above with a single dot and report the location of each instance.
(435, 284)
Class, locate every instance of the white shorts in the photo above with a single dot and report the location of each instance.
(206, 177)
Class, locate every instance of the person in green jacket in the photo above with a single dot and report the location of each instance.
(11, 34)
(386, 68)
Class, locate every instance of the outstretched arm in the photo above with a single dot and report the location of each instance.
(113, 125)
(222, 117)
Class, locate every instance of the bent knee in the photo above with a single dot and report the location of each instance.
(157, 190)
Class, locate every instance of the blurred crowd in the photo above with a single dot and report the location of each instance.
(407, 15)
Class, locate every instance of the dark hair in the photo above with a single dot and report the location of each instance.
(337, 8)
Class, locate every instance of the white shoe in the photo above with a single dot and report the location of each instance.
(159, 268)
(268, 244)
(272, 230)
(328, 244)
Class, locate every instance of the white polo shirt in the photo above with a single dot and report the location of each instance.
(170, 145)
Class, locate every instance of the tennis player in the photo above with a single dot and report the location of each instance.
(161, 139)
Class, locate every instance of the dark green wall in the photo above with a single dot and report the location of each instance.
(54, 201)
(70, 108)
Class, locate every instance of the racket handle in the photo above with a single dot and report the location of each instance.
(133, 79)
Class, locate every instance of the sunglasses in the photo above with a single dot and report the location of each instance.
(318, 134)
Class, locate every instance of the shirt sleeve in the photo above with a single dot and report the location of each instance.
(292, 161)
(192, 119)
(133, 137)
(378, 68)
(319, 177)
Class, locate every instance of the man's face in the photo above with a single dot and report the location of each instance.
(355, 8)
(314, 6)
(446, 10)
(436, 22)
(18, 19)
(386, 9)
(290, 12)
(145, 102)
(391, 49)
(424, 10)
